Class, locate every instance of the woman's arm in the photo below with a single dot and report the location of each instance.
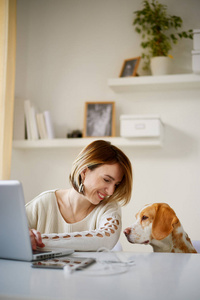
(105, 236)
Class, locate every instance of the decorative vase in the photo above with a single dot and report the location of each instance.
(161, 65)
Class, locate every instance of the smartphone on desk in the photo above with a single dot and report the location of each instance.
(71, 263)
(47, 265)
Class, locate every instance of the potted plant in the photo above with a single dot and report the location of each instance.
(159, 31)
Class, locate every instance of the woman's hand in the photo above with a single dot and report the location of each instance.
(36, 239)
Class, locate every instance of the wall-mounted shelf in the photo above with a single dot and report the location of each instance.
(130, 84)
(82, 142)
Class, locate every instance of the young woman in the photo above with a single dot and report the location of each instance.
(87, 216)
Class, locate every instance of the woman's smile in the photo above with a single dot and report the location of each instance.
(101, 196)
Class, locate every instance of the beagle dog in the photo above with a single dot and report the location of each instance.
(157, 224)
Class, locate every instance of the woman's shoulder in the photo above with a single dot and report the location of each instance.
(44, 197)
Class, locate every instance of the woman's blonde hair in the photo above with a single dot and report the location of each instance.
(98, 153)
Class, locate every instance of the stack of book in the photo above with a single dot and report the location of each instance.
(38, 125)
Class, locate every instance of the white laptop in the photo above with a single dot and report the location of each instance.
(14, 234)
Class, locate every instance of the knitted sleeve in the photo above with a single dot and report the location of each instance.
(106, 235)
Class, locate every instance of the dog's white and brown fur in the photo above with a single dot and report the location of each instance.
(157, 224)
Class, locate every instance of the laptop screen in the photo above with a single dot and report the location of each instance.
(14, 235)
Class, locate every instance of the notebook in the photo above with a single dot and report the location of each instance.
(14, 234)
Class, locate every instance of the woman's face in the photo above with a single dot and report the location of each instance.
(101, 182)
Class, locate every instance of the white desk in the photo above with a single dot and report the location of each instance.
(153, 276)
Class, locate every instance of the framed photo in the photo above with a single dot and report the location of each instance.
(99, 119)
(130, 67)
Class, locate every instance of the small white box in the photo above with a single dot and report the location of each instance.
(136, 126)
(196, 61)
(196, 39)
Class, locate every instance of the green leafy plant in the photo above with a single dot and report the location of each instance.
(159, 30)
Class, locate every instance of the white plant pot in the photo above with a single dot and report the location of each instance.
(161, 65)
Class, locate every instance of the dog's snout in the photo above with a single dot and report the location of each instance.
(127, 231)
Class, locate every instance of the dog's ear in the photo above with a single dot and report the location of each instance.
(164, 221)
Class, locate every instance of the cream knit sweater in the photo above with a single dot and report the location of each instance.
(101, 228)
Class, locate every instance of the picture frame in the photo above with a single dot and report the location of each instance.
(99, 119)
(130, 66)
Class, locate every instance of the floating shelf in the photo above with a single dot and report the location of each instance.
(130, 84)
(82, 142)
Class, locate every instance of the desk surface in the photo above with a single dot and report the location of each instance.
(151, 276)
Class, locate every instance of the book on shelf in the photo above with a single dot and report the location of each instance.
(30, 118)
(45, 125)
(34, 128)
(41, 126)
(27, 112)
(31, 124)
(49, 124)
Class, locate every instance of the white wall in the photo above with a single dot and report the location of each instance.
(66, 51)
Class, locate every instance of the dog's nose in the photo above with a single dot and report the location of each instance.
(127, 231)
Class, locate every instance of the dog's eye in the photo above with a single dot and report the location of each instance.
(144, 218)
